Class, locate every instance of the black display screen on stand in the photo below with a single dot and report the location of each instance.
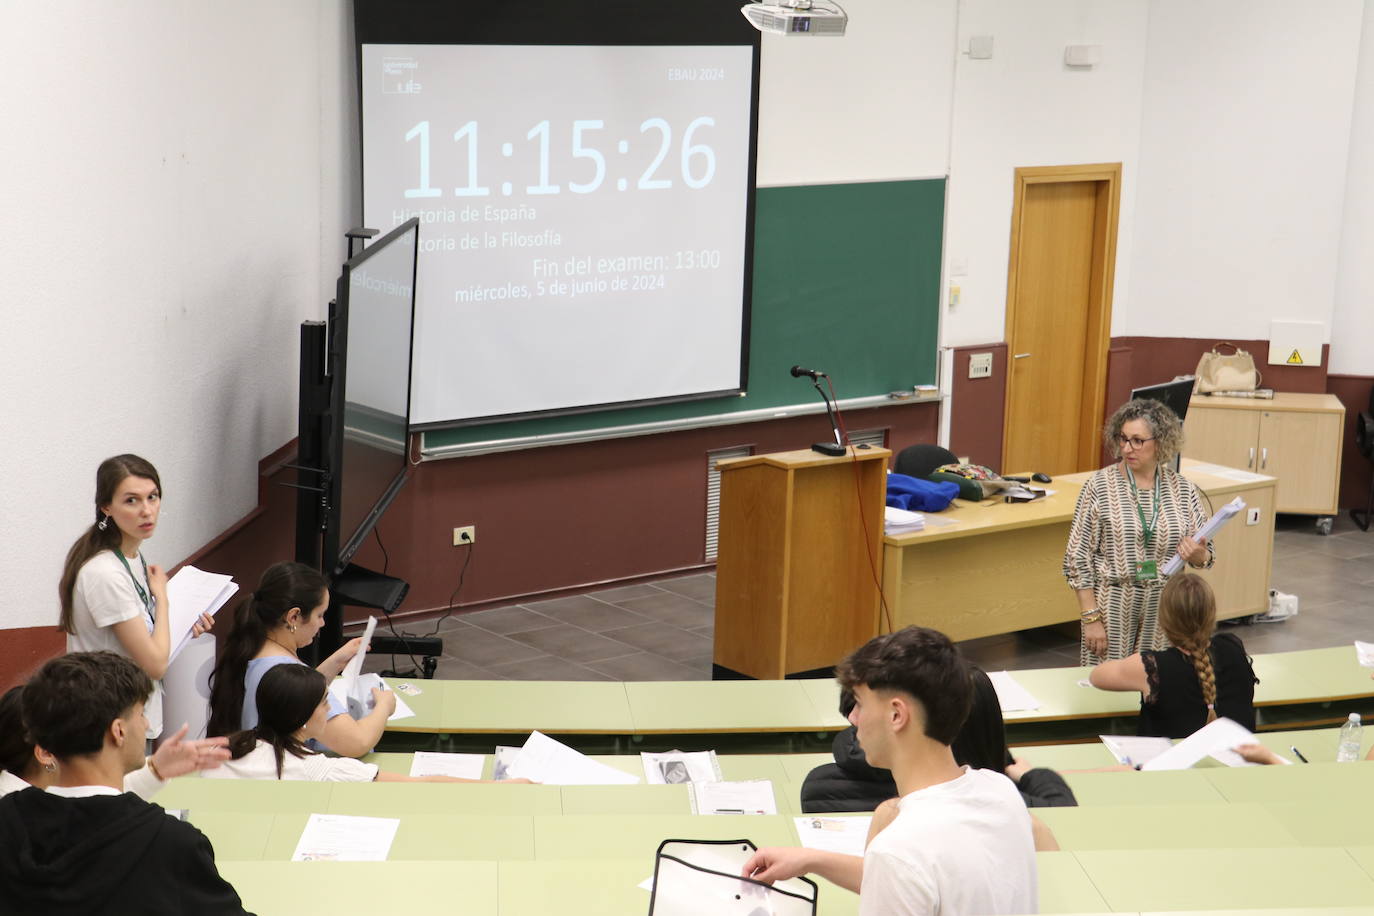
(355, 414)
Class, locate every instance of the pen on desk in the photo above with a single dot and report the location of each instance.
(1298, 753)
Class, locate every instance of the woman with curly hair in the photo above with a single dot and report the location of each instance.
(1204, 674)
(1132, 517)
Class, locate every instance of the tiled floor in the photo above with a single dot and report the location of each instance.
(662, 631)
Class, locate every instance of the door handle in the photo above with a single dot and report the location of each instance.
(1250, 462)
(1264, 458)
(1020, 355)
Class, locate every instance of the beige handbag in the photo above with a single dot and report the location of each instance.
(1220, 372)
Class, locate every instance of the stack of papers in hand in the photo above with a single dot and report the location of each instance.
(354, 689)
(553, 763)
(190, 593)
(901, 521)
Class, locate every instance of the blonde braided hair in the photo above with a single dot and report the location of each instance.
(1188, 615)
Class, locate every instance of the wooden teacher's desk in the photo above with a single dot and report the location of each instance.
(979, 569)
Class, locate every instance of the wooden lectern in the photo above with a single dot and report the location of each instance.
(796, 588)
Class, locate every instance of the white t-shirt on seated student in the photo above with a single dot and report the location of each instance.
(261, 763)
(103, 596)
(959, 847)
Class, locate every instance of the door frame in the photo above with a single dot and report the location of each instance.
(1107, 176)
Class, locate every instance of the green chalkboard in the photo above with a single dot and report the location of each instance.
(846, 280)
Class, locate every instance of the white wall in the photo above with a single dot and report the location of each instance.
(1244, 148)
(1025, 108)
(1352, 324)
(872, 105)
(162, 189)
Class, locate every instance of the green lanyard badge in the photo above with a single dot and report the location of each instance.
(149, 603)
(1146, 569)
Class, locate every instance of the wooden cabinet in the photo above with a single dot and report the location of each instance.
(1295, 438)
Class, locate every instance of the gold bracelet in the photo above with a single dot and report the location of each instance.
(152, 766)
(1091, 617)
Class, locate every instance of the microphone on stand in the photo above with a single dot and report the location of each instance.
(837, 447)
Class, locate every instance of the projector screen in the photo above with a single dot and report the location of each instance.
(584, 211)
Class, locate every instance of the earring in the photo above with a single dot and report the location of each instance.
(291, 627)
(50, 767)
(103, 523)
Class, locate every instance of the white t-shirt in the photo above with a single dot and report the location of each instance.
(261, 763)
(960, 847)
(103, 596)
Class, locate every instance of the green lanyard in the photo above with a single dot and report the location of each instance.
(1147, 527)
(148, 601)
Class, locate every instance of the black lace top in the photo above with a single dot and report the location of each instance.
(1174, 708)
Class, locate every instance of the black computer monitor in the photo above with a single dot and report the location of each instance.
(1175, 395)
(371, 333)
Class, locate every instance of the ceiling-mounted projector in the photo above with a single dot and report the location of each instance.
(796, 17)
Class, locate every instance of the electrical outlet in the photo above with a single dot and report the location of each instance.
(980, 365)
(464, 535)
(1252, 516)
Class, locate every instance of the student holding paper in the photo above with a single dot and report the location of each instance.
(1203, 675)
(293, 708)
(1132, 517)
(111, 598)
(271, 626)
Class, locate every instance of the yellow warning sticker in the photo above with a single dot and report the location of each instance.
(1295, 358)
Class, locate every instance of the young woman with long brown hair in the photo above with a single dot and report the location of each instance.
(281, 617)
(1202, 675)
(111, 598)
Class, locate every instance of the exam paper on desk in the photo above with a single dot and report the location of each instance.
(432, 763)
(753, 796)
(845, 835)
(1215, 739)
(553, 763)
(343, 838)
(1011, 696)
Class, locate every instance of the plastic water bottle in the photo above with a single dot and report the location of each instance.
(1349, 747)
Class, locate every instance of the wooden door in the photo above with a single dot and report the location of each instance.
(1302, 449)
(1224, 436)
(1059, 288)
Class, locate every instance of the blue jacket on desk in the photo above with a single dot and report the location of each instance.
(918, 495)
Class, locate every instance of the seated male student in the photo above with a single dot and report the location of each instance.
(961, 840)
(85, 845)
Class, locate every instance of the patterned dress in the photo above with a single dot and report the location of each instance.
(1107, 538)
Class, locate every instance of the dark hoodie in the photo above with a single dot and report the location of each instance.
(106, 854)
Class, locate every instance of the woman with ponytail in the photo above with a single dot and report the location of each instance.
(293, 704)
(271, 626)
(1203, 675)
(111, 598)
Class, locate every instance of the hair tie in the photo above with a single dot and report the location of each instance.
(1211, 708)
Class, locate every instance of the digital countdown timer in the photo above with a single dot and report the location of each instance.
(579, 206)
(696, 160)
